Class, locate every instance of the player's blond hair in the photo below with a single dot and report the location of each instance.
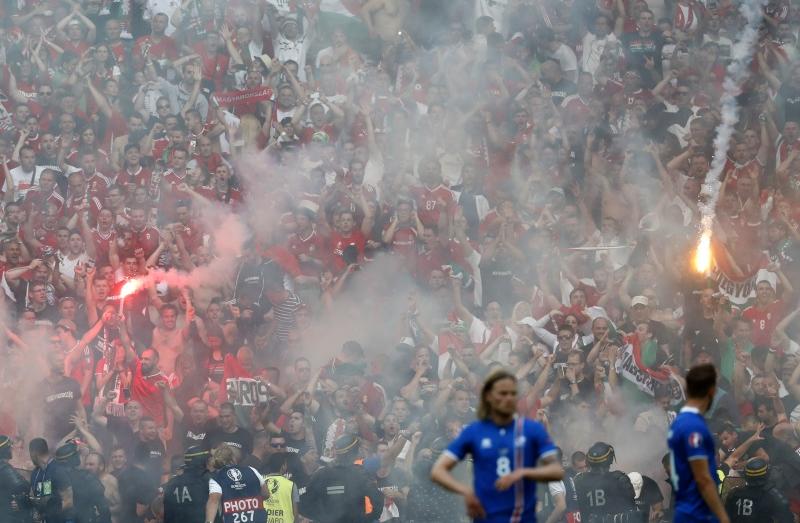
(488, 385)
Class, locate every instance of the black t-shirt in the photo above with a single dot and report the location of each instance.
(123, 433)
(59, 400)
(152, 454)
(197, 435)
(396, 480)
(560, 90)
(637, 47)
(296, 446)
(649, 495)
(241, 439)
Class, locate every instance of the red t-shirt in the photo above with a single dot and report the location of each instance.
(340, 242)
(764, 321)
(144, 389)
(314, 246)
(428, 207)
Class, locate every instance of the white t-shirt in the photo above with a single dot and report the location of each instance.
(566, 57)
(295, 50)
(24, 181)
(67, 266)
(215, 488)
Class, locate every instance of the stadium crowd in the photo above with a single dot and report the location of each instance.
(429, 190)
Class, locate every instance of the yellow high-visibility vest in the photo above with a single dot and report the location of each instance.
(279, 504)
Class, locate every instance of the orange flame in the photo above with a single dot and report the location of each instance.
(702, 256)
(130, 287)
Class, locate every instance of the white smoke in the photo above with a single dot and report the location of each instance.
(737, 71)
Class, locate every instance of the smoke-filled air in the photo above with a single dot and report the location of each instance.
(399, 261)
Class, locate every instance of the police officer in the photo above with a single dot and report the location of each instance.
(89, 502)
(758, 499)
(186, 494)
(239, 492)
(13, 487)
(342, 492)
(605, 496)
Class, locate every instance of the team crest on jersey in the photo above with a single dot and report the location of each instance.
(486, 443)
(235, 475)
(520, 441)
(695, 440)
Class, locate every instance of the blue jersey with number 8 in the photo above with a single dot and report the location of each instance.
(496, 451)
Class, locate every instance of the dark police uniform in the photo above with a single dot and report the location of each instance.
(88, 494)
(186, 494)
(13, 487)
(606, 497)
(758, 500)
(336, 494)
(241, 501)
(753, 503)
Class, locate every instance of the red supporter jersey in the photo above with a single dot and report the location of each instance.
(145, 390)
(146, 239)
(764, 321)
(192, 236)
(404, 241)
(428, 206)
(232, 196)
(340, 242)
(139, 177)
(102, 245)
(147, 46)
(36, 199)
(313, 246)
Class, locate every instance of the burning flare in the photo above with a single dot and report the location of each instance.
(130, 287)
(702, 255)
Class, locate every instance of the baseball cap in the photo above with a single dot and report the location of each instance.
(527, 320)
(640, 300)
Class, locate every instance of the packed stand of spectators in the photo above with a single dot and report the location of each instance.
(487, 183)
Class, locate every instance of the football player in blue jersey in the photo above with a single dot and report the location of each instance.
(693, 464)
(510, 454)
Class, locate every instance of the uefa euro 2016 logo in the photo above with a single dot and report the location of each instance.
(235, 475)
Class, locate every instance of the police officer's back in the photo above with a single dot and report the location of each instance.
(13, 487)
(88, 494)
(604, 495)
(342, 492)
(186, 494)
(757, 500)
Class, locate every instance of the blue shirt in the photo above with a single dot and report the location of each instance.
(496, 451)
(689, 439)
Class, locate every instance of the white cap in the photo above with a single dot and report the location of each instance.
(767, 276)
(640, 300)
(527, 320)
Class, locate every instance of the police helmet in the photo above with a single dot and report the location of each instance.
(756, 471)
(600, 455)
(68, 455)
(195, 457)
